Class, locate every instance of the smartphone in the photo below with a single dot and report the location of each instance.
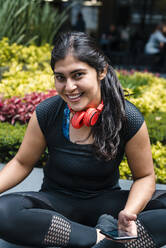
(118, 235)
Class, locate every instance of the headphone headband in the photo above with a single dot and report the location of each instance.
(99, 107)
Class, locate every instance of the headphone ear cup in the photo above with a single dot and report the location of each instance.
(100, 107)
(87, 118)
(90, 117)
(77, 119)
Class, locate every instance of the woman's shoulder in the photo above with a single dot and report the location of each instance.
(134, 119)
(49, 105)
(130, 108)
(47, 110)
(51, 101)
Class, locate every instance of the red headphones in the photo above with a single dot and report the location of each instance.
(87, 118)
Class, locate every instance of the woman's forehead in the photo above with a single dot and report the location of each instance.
(70, 63)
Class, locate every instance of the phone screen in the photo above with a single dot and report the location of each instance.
(118, 235)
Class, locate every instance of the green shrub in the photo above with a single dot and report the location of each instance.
(125, 172)
(159, 157)
(11, 137)
(133, 80)
(149, 96)
(24, 69)
(156, 123)
(159, 160)
(152, 97)
(10, 140)
(31, 57)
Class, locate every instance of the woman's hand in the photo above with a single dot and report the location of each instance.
(126, 222)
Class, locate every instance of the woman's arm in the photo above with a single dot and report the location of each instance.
(28, 154)
(138, 152)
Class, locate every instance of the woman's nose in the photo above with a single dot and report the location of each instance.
(70, 85)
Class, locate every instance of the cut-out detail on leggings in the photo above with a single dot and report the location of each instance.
(144, 239)
(58, 232)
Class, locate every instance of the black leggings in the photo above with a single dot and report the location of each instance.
(43, 219)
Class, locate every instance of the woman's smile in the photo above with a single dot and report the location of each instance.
(74, 97)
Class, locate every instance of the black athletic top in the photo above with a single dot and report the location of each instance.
(71, 167)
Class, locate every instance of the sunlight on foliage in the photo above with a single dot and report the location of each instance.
(24, 69)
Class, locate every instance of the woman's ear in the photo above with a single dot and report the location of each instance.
(103, 73)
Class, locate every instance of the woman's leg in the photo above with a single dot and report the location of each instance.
(151, 223)
(154, 217)
(31, 220)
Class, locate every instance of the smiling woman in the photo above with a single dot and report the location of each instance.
(87, 127)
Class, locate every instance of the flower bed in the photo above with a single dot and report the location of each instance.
(20, 109)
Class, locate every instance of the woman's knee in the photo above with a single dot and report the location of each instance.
(158, 201)
(10, 205)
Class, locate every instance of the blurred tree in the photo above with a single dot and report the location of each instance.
(27, 21)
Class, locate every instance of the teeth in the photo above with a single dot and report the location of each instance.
(75, 96)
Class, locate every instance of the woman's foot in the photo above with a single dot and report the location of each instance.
(106, 222)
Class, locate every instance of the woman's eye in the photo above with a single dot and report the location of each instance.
(59, 78)
(78, 75)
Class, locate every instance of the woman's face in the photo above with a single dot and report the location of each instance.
(77, 83)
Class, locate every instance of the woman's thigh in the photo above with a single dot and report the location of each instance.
(64, 204)
(83, 210)
(113, 202)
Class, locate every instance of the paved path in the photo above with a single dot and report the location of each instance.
(33, 182)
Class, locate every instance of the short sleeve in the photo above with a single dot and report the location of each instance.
(134, 120)
(46, 112)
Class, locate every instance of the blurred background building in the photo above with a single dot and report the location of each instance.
(127, 24)
(99, 14)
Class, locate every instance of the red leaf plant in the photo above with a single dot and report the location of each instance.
(21, 109)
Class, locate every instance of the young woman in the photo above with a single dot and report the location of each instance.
(87, 128)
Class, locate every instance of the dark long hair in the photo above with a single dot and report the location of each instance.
(106, 132)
